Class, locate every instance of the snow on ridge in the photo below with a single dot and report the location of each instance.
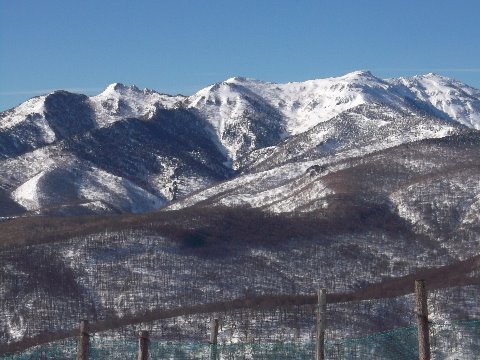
(219, 102)
(29, 108)
(302, 104)
(119, 101)
(452, 98)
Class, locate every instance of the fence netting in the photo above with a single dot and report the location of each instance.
(369, 329)
(451, 340)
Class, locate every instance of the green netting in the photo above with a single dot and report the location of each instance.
(112, 348)
(269, 351)
(458, 339)
(191, 351)
(453, 340)
(66, 349)
(395, 344)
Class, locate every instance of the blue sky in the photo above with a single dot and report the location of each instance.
(181, 46)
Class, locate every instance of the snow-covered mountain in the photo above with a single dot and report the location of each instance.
(118, 102)
(132, 150)
(335, 183)
(453, 99)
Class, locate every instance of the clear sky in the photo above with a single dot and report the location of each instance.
(180, 46)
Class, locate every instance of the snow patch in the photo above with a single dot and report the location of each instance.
(27, 194)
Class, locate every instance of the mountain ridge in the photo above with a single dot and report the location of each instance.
(172, 146)
(133, 202)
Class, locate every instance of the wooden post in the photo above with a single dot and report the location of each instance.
(422, 320)
(82, 352)
(213, 339)
(143, 345)
(321, 324)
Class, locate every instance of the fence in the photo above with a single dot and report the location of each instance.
(461, 338)
(449, 338)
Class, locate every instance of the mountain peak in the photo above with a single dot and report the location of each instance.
(359, 77)
(245, 81)
(362, 73)
(359, 74)
(434, 76)
(119, 87)
(237, 79)
(115, 87)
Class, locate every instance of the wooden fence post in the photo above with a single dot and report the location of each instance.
(82, 352)
(422, 320)
(321, 324)
(143, 345)
(213, 339)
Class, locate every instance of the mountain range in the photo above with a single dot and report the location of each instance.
(128, 150)
(132, 201)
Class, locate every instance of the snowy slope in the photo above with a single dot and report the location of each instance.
(305, 104)
(453, 99)
(33, 106)
(241, 120)
(277, 178)
(130, 166)
(45, 119)
(172, 146)
(87, 184)
(433, 185)
(355, 132)
(339, 182)
(132, 153)
(293, 107)
(24, 127)
(118, 101)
